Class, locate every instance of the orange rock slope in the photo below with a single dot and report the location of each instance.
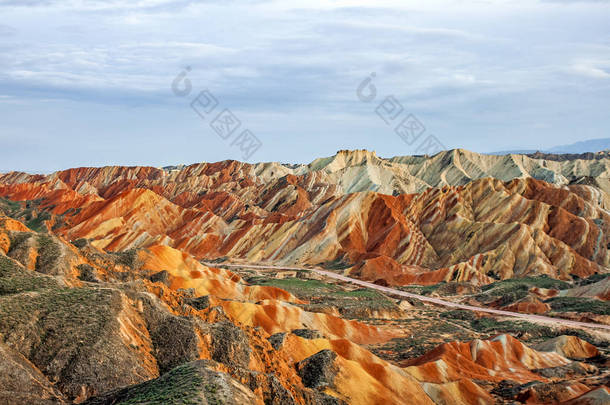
(259, 312)
(473, 231)
(500, 358)
(450, 374)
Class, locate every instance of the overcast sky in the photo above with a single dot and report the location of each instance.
(89, 83)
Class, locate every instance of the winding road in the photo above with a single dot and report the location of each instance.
(423, 298)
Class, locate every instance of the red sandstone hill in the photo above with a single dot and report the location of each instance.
(149, 326)
(104, 299)
(469, 228)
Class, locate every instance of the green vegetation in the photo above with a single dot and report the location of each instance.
(530, 331)
(80, 243)
(509, 291)
(58, 322)
(127, 258)
(540, 282)
(14, 280)
(459, 314)
(81, 314)
(188, 383)
(17, 239)
(27, 212)
(295, 285)
(312, 288)
(181, 385)
(593, 279)
(427, 333)
(337, 264)
(48, 253)
(493, 326)
(425, 290)
(9, 206)
(361, 293)
(351, 304)
(37, 223)
(72, 211)
(579, 304)
(429, 289)
(506, 295)
(87, 273)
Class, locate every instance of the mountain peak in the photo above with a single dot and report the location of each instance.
(345, 158)
(356, 152)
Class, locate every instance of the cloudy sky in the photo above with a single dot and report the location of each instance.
(89, 83)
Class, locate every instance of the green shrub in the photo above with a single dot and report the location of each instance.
(127, 258)
(593, 279)
(14, 279)
(181, 385)
(540, 282)
(48, 253)
(459, 314)
(579, 304)
(80, 243)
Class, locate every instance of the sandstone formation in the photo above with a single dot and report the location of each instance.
(457, 216)
(569, 346)
(105, 297)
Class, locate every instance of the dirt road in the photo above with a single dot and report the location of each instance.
(423, 298)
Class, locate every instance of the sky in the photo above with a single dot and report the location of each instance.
(92, 83)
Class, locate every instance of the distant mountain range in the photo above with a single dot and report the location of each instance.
(590, 145)
(354, 207)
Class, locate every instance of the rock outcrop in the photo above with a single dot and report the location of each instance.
(457, 216)
(111, 288)
(192, 383)
(569, 346)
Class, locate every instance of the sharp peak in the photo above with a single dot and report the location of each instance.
(460, 150)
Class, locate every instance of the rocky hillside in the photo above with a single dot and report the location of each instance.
(455, 216)
(155, 326)
(105, 297)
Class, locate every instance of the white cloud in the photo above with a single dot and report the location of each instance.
(588, 69)
(467, 67)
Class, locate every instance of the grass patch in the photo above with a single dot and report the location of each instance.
(80, 243)
(294, 285)
(592, 279)
(530, 331)
(28, 212)
(37, 223)
(181, 385)
(58, 322)
(509, 291)
(459, 314)
(48, 253)
(17, 239)
(579, 304)
(540, 282)
(10, 208)
(362, 293)
(14, 279)
(337, 264)
(321, 295)
(426, 335)
(527, 331)
(429, 289)
(311, 288)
